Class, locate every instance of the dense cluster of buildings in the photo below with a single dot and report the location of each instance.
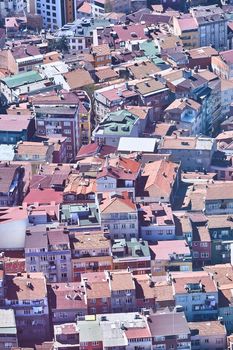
(116, 170)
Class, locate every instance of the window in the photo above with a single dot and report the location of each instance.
(159, 338)
(204, 255)
(182, 336)
(66, 123)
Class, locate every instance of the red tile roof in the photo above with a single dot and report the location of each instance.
(43, 196)
(117, 203)
(130, 32)
(164, 249)
(85, 8)
(227, 56)
(134, 333)
(120, 168)
(67, 296)
(187, 24)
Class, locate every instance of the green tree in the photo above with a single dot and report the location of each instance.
(60, 44)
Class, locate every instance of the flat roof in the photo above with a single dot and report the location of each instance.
(7, 152)
(22, 78)
(137, 144)
(7, 322)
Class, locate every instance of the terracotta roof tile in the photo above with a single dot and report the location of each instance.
(26, 287)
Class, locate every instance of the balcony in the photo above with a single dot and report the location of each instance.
(205, 308)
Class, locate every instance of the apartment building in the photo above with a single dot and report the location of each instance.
(8, 330)
(67, 302)
(20, 86)
(102, 55)
(15, 128)
(66, 336)
(159, 182)
(170, 256)
(48, 251)
(156, 222)
(9, 7)
(34, 152)
(55, 13)
(119, 215)
(123, 291)
(222, 64)
(197, 293)
(131, 332)
(82, 217)
(109, 98)
(58, 114)
(91, 251)
(118, 174)
(79, 188)
(208, 335)
(201, 244)
(221, 232)
(155, 94)
(212, 26)
(201, 57)
(184, 149)
(116, 125)
(79, 33)
(223, 274)
(26, 294)
(185, 114)
(14, 220)
(133, 255)
(186, 28)
(169, 330)
(219, 198)
(22, 58)
(97, 292)
(11, 184)
(85, 117)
